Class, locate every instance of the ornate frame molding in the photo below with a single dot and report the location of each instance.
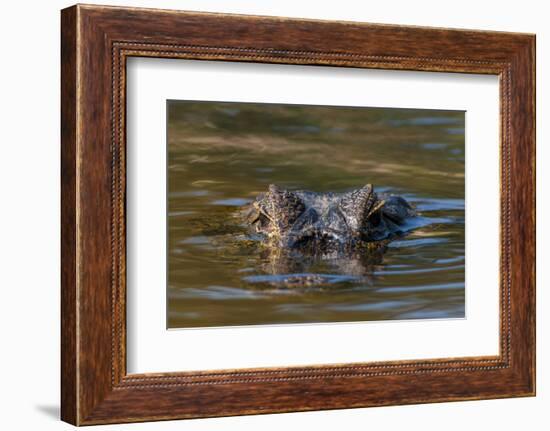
(96, 41)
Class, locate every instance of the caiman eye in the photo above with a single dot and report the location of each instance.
(374, 216)
(356, 205)
(254, 216)
(284, 206)
(262, 221)
(361, 208)
(375, 219)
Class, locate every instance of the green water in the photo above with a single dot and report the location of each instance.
(222, 155)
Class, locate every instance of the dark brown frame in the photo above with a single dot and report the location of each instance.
(95, 43)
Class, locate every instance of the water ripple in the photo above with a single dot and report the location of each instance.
(233, 202)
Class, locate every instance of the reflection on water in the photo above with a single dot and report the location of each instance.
(221, 155)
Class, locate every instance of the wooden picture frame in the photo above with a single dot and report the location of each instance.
(95, 43)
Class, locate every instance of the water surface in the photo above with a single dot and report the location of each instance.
(222, 155)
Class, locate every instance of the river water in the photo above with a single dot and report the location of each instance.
(222, 155)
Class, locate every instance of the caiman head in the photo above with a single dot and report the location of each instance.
(326, 222)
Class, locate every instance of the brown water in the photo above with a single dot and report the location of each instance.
(222, 155)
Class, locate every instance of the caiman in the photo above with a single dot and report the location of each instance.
(346, 229)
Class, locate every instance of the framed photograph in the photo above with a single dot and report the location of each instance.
(264, 214)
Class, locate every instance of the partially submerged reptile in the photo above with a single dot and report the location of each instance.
(326, 222)
(350, 230)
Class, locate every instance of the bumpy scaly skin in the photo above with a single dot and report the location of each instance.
(328, 224)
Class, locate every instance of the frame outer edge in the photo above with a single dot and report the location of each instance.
(532, 80)
(69, 196)
(533, 54)
(531, 64)
(88, 397)
(523, 216)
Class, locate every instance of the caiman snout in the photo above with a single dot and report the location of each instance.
(315, 238)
